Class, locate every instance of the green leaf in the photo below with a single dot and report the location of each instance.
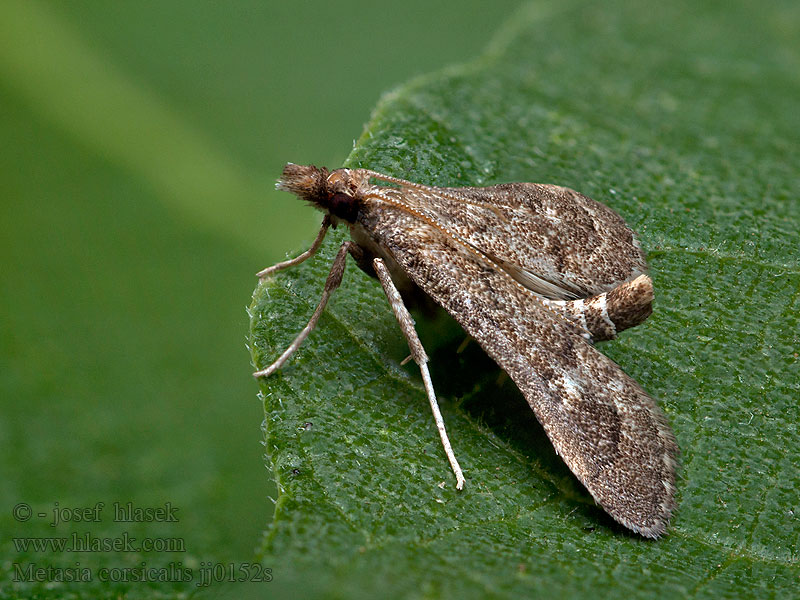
(683, 119)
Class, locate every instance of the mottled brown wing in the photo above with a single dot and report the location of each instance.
(608, 430)
(551, 239)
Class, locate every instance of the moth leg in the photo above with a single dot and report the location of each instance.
(418, 354)
(326, 222)
(333, 281)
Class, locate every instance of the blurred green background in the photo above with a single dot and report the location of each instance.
(141, 142)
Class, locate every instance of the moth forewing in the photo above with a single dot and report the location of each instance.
(534, 273)
(548, 234)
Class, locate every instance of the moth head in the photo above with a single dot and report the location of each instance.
(334, 193)
(306, 182)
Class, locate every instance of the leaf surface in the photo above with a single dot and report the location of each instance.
(683, 119)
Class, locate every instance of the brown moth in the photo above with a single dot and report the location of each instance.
(535, 273)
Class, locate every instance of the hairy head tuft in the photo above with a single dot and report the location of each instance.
(307, 182)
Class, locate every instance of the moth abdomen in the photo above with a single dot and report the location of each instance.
(603, 316)
(630, 303)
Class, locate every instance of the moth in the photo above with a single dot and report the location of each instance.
(535, 274)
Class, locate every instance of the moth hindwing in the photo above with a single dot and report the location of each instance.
(535, 273)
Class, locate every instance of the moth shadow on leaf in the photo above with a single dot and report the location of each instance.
(464, 375)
